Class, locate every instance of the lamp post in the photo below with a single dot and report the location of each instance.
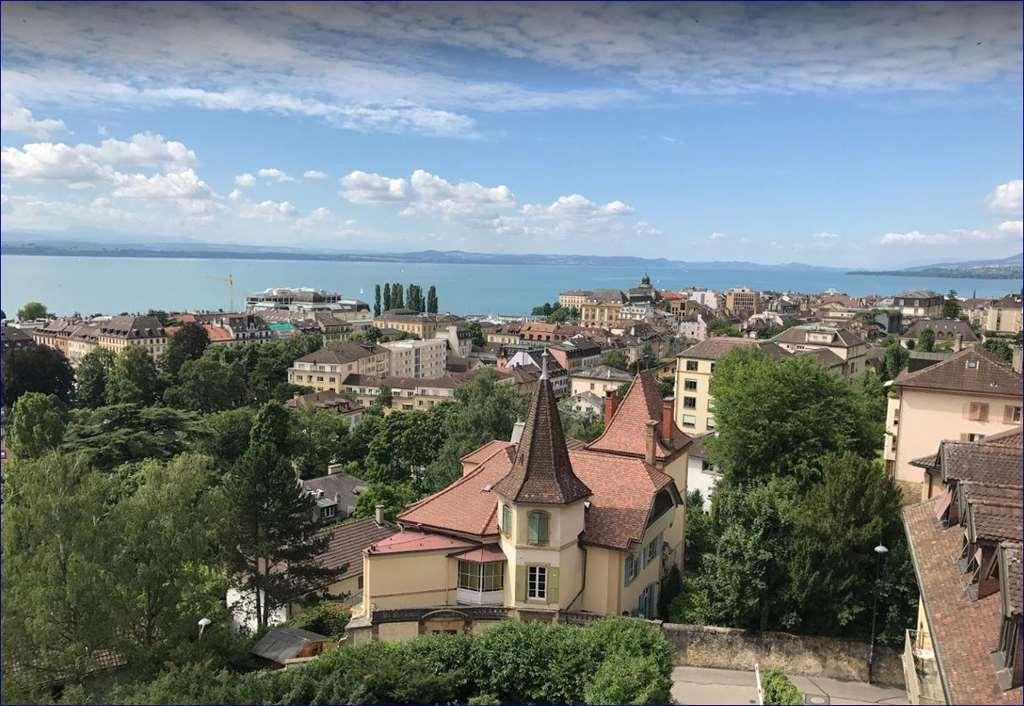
(203, 622)
(881, 551)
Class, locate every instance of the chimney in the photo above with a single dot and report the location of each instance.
(611, 401)
(666, 419)
(959, 342)
(517, 431)
(378, 514)
(652, 441)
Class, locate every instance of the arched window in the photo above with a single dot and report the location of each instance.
(538, 524)
(506, 519)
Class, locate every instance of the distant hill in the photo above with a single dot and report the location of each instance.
(1003, 268)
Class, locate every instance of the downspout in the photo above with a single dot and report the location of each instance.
(583, 585)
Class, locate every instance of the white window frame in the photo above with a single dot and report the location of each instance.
(537, 583)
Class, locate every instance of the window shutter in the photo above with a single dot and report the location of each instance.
(983, 411)
(552, 588)
(520, 583)
(963, 437)
(1007, 413)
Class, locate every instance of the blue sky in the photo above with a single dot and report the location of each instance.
(859, 134)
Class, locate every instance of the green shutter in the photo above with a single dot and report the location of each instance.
(520, 583)
(552, 584)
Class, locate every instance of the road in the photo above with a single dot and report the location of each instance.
(694, 685)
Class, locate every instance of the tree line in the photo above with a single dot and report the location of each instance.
(392, 295)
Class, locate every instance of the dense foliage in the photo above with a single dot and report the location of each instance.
(778, 689)
(611, 661)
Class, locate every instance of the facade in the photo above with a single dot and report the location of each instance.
(409, 321)
(406, 393)
(417, 359)
(458, 338)
(693, 327)
(1003, 316)
(506, 335)
(742, 302)
(331, 401)
(534, 530)
(701, 474)
(576, 353)
(695, 366)
(847, 345)
(75, 337)
(586, 403)
(574, 298)
(305, 301)
(327, 368)
(14, 339)
(965, 544)
(919, 303)
(954, 332)
(705, 297)
(599, 380)
(602, 308)
(966, 397)
(532, 360)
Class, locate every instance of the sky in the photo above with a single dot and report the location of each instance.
(838, 134)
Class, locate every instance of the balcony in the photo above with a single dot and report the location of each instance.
(467, 596)
(921, 671)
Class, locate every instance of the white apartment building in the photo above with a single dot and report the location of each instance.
(418, 359)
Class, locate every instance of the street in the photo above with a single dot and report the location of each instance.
(695, 685)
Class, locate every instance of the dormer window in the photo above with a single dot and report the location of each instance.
(538, 528)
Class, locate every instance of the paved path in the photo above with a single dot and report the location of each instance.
(694, 685)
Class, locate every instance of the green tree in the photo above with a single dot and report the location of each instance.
(357, 445)
(777, 418)
(477, 333)
(117, 434)
(376, 300)
(32, 310)
(224, 436)
(272, 535)
(92, 374)
(724, 327)
(999, 348)
(406, 443)
(562, 314)
(432, 300)
(36, 369)
(206, 385)
(926, 340)
(37, 426)
(585, 425)
(319, 437)
(778, 689)
(133, 378)
(616, 359)
(387, 296)
(394, 498)
(951, 306)
(896, 359)
(185, 344)
(384, 397)
(397, 296)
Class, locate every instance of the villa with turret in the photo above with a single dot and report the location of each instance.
(537, 528)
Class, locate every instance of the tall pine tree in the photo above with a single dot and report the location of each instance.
(376, 300)
(397, 296)
(432, 300)
(387, 296)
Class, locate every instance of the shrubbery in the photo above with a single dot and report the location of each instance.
(778, 689)
(614, 660)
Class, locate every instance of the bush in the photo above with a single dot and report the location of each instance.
(326, 618)
(778, 689)
(628, 679)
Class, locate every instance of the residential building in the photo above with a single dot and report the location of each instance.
(693, 327)
(305, 301)
(336, 495)
(705, 297)
(951, 333)
(281, 647)
(742, 302)
(407, 393)
(965, 545)
(424, 358)
(1003, 316)
(576, 353)
(672, 302)
(14, 339)
(505, 335)
(574, 298)
(458, 338)
(331, 401)
(543, 332)
(75, 337)
(533, 359)
(586, 403)
(763, 320)
(701, 473)
(695, 366)
(919, 303)
(327, 368)
(847, 345)
(601, 379)
(535, 530)
(602, 308)
(966, 397)
(409, 321)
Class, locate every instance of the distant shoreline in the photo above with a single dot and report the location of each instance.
(944, 273)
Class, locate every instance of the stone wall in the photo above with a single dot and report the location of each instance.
(804, 655)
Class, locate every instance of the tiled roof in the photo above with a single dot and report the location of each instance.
(966, 461)
(337, 484)
(416, 541)
(342, 353)
(542, 471)
(1010, 437)
(969, 370)
(132, 327)
(281, 644)
(606, 295)
(720, 346)
(963, 631)
(484, 452)
(926, 461)
(603, 372)
(1009, 301)
(988, 494)
(824, 356)
(918, 294)
(946, 327)
(346, 542)
(1012, 556)
(841, 337)
(626, 433)
(481, 554)
(996, 523)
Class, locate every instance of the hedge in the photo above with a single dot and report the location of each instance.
(778, 689)
(613, 660)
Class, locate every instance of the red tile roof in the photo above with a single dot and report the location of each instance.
(970, 370)
(487, 450)
(346, 542)
(963, 632)
(415, 541)
(627, 432)
(481, 554)
(720, 346)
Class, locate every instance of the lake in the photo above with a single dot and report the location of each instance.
(110, 285)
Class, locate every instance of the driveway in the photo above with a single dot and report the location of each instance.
(695, 685)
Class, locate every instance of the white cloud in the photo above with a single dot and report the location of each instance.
(826, 237)
(433, 195)
(1011, 228)
(142, 150)
(268, 210)
(14, 117)
(313, 174)
(1008, 197)
(366, 187)
(716, 236)
(180, 186)
(244, 181)
(1005, 230)
(272, 174)
(235, 194)
(315, 219)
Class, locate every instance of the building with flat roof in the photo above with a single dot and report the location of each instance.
(327, 368)
(426, 358)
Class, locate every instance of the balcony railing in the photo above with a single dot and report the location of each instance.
(921, 671)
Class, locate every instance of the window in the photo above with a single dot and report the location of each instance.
(538, 524)
(651, 550)
(506, 520)
(689, 403)
(631, 569)
(978, 411)
(691, 365)
(537, 582)
(689, 420)
(711, 422)
(689, 384)
(1011, 414)
(712, 367)
(972, 437)
(328, 512)
(492, 576)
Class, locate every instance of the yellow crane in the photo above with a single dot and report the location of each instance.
(230, 282)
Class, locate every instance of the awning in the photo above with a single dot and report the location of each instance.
(481, 555)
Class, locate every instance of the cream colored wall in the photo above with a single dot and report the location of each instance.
(701, 414)
(413, 580)
(391, 632)
(598, 387)
(674, 536)
(1002, 320)
(348, 586)
(926, 418)
(652, 572)
(604, 581)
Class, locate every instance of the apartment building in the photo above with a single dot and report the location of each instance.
(954, 333)
(534, 530)
(695, 367)
(965, 544)
(1003, 316)
(919, 303)
(327, 368)
(576, 353)
(742, 302)
(409, 321)
(75, 337)
(967, 397)
(850, 347)
(417, 359)
(602, 308)
(409, 394)
(600, 380)
(574, 298)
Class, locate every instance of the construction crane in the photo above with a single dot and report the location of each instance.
(230, 282)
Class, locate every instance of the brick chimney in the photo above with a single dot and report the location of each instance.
(959, 342)
(611, 402)
(652, 441)
(666, 419)
(378, 514)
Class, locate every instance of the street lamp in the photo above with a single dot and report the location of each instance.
(203, 622)
(881, 551)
